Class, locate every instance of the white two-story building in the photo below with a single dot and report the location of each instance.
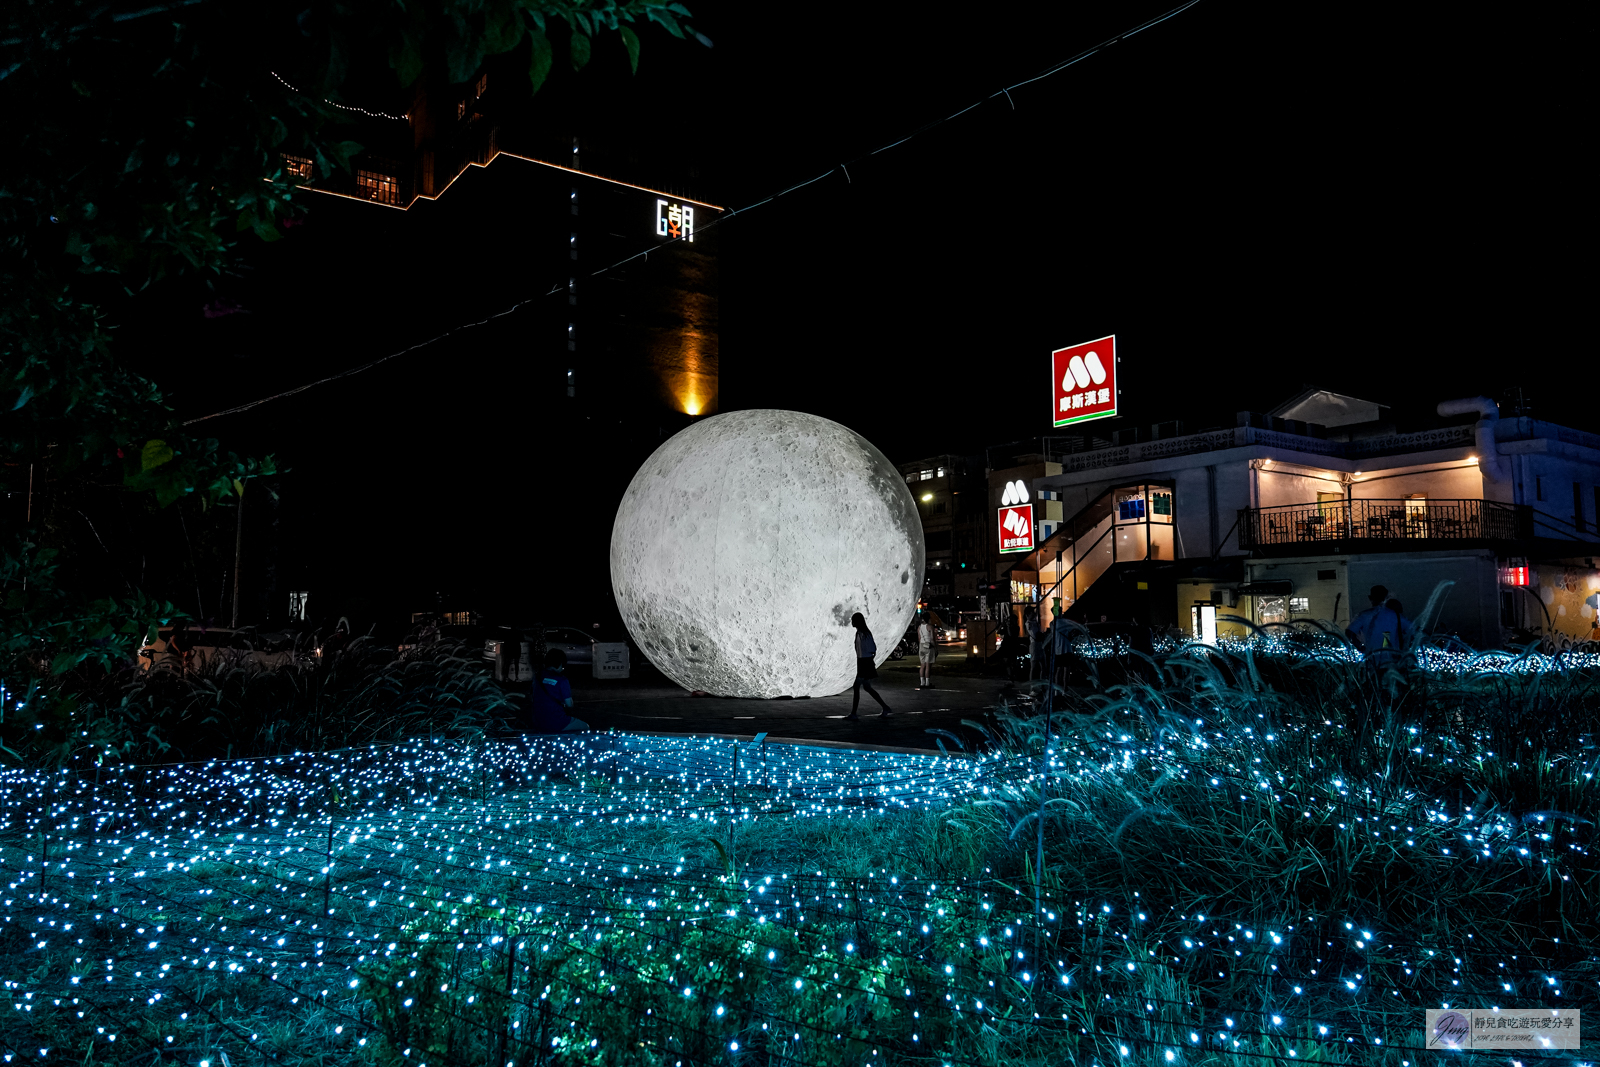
(1484, 527)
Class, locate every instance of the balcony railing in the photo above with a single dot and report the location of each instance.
(1385, 520)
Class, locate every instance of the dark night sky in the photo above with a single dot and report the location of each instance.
(1252, 198)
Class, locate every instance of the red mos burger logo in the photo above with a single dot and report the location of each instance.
(1016, 519)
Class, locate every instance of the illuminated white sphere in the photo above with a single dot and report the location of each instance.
(746, 542)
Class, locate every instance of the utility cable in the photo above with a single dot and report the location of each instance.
(1006, 92)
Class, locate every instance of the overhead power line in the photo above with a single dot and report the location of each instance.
(842, 167)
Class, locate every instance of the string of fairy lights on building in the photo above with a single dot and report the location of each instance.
(326, 883)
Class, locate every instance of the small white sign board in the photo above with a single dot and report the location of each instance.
(610, 659)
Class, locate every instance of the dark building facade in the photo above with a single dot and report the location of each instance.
(952, 500)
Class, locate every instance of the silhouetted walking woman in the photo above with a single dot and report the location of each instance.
(866, 670)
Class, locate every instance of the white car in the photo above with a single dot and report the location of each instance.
(577, 645)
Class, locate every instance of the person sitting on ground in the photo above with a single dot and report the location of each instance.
(552, 698)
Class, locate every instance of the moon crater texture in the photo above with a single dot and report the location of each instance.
(745, 543)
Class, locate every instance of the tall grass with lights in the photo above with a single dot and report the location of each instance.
(235, 707)
(1227, 857)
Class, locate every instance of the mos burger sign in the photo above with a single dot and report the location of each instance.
(1016, 519)
(1083, 382)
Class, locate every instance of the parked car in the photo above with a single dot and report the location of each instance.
(576, 643)
(224, 644)
(493, 647)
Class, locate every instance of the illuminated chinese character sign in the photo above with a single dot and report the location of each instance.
(1016, 518)
(674, 220)
(1016, 528)
(1083, 381)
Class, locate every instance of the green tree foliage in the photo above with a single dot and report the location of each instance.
(146, 142)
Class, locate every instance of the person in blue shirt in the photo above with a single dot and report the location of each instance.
(1383, 632)
(1357, 630)
(552, 698)
(866, 669)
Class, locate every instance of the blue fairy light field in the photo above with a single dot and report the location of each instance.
(1238, 858)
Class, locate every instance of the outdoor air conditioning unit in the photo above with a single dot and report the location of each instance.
(1228, 598)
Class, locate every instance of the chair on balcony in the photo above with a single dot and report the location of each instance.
(1277, 532)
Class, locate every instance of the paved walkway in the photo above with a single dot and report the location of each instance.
(649, 702)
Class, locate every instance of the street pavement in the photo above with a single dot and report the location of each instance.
(648, 702)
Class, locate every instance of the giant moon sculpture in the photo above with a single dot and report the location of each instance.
(746, 542)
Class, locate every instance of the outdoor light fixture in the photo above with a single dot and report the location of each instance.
(926, 497)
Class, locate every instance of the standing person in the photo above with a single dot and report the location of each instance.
(927, 652)
(1393, 632)
(335, 642)
(1036, 642)
(552, 698)
(866, 669)
(511, 656)
(180, 643)
(1359, 626)
(1385, 633)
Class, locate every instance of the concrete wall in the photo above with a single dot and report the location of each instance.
(1329, 597)
(1277, 486)
(1193, 591)
(1470, 609)
(1544, 473)
(1336, 588)
(1193, 496)
(1465, 482)
(1570, 593)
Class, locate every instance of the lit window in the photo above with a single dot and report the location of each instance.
(483, 84)
(384, 188)
(1299, 605)
(927, 476)
(298, 167)
(461, 109)
(941, 472)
